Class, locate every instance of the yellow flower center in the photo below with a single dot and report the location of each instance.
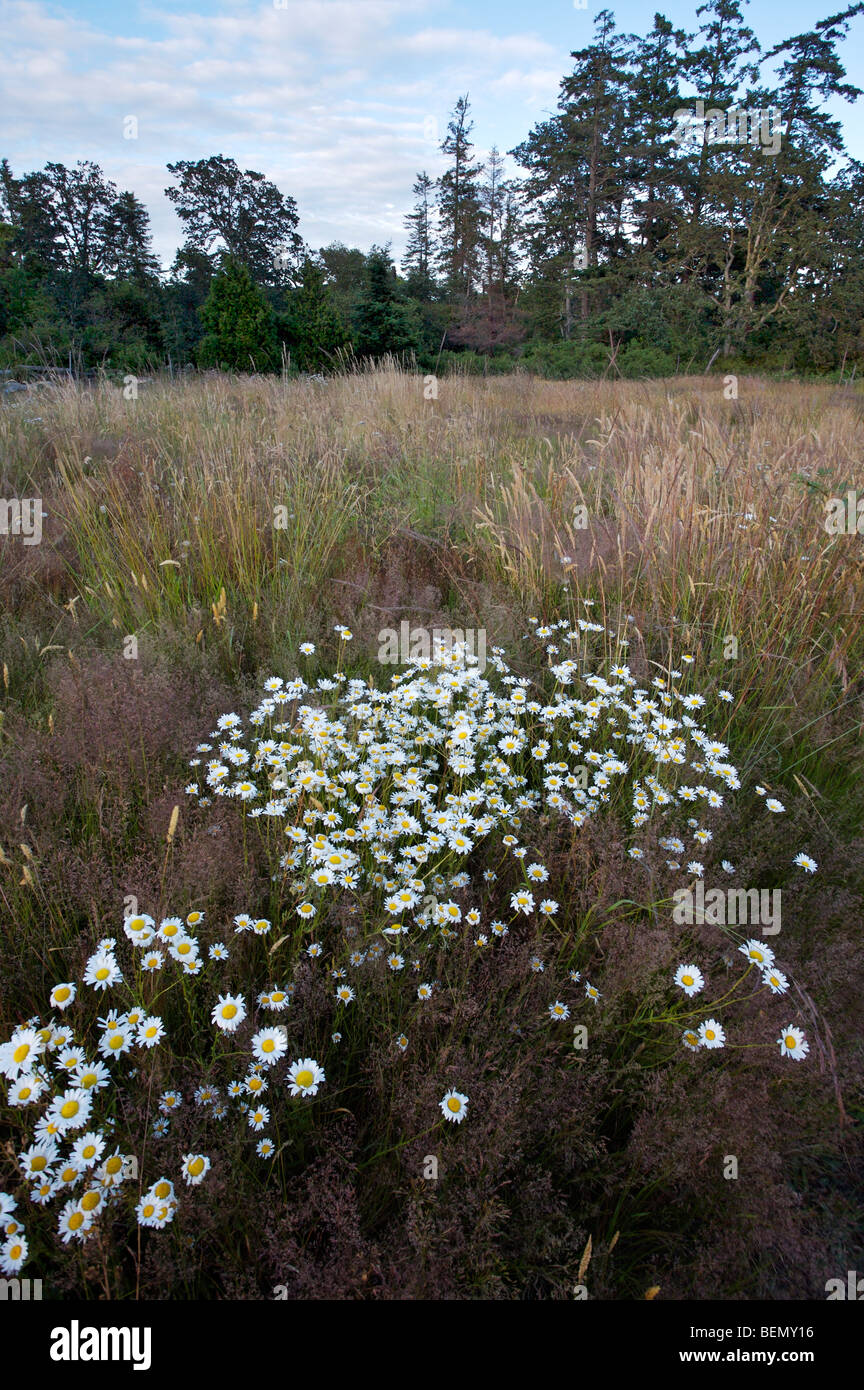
(61, 993)
(267, 1045)
(15, 1252)
(790, 1041)
(89, 1151)
(38, 1163)
(196, 1167)
(305, 1077)
(686, 979)
(453, 1104)
(70, 1109)
(103, 973)
(229, 1010)
(114, 1164)
(76, 1220)
(91, 1199)
(88, 1080)
(26, 1092)
(115, 1041)
(162, 1190)
(21, 1052)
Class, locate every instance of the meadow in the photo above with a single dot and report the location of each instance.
(368, 979)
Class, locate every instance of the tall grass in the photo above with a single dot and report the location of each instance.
(220, 522)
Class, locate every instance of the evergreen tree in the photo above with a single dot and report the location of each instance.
(459, 211)
(128, 252)
(653, 162)
(577, 192)
(311, 328)
(240, 334)
(420, 252)
(384, 320)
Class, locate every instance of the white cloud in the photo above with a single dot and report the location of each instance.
(340, 102)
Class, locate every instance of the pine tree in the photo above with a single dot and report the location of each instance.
(653, 161)
(384, 320)
(240, 334)
(312, 328)
(459, 210)
(420, 252)
(128, 243)
(576, 192)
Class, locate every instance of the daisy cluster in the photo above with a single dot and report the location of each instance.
(381, 795)
(710, 1034)
(374, 787)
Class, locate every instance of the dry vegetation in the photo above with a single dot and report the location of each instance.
(705, 522)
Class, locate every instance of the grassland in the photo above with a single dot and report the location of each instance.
(704, 535)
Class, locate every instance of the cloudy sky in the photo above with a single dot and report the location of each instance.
(339, 102)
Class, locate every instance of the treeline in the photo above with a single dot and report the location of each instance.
(689, 202)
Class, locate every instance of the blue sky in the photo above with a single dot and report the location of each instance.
(340, 102)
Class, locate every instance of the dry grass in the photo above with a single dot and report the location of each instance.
(704, 522)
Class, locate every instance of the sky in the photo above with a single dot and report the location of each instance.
(339, 102)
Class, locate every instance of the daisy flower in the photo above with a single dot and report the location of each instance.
(13, 1254)
(690, 978)
(454, 1106)
(776, 981)
(559, 1010)
(229, 1012)
(757, 953)
(150, 1032)
(88, 1149)
(269, 1045)
(803, 861)
(305, 1076)
(62, 996)
(102, 970)
(793, 1044)
(711, 1033)
(26, 1090)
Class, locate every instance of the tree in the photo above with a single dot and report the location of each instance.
(459, 210)
(488, 320)
(345, 269)
(311, 326)
(384, 321)
(239, 334)
(653, 163)
(577, 190)
(419, 259)
(237, 214)
(128, 250)
(61, 215)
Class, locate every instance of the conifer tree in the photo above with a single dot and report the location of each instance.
(240, 333)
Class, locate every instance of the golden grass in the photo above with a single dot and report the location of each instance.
(703, 514)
